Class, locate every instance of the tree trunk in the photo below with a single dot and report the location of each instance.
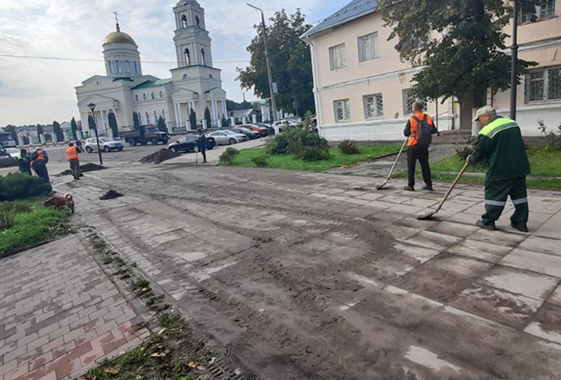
(466, 112)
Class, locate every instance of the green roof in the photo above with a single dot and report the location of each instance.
(153, 83)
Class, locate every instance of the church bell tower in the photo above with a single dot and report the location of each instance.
(192, 41)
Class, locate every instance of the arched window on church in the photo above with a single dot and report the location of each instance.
(161, 94)
(147, 118)
(110, 69)
(117, 66)
(198, 21)
(135, 67)
(143, 96)
(184, 21)
(203, 57)
(185, 76)
(127, 67)
(155, 117)
(187, 57)
(136, 98)
(152, 96)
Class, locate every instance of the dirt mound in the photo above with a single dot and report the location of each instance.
(111, 194)
(160, 156)
(84, 168)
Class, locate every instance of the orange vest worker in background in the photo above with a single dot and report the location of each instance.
(74, 160)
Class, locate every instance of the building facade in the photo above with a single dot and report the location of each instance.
(363, 90)
(125, 90)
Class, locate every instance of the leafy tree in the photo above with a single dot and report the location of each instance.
(162, 124)
(207, 117)
(58, 131)
(74, 129)
(193, 119)
(39, 130)
(12, 130)
(233, 106)
(113, 124)
(290, 63)
(467, 55)
(137, 126)
(90, 122)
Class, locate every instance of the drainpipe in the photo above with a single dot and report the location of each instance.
(317, 97)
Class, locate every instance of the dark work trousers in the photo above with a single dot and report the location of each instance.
(202, 149)
(496, 194)
(75, 167)
(41, 169)
(420, 153)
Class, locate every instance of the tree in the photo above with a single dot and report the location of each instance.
(137, 126)
(207, 117)
(12, 130)
(39, 130)
(466, 57)
(290, 63)
(193, 119)
(233, 106)
(74, 129)
(58, 131)
(113, 125)
(162, 124)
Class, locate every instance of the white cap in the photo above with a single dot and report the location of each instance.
(487, 110)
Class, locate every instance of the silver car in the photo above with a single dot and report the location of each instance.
(227, 137)
(105, 144)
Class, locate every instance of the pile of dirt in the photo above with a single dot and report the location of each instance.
(111, 194)
(159, 157)
(84, 168)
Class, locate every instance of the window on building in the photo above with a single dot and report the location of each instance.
(183, 21)
(543, 85)
(544, 10)
(198, 21)
(373, 106)
(185, 76)
(155, 117)
(147, 118)
(409, 97)
(368, 47)
(135, 67)
(161, 94)
(136, 98)
(337, 57)
(127, 67)
(143, 96)
(110, 67)
(187, 57)
(342, 110)
(152, 96)
(203, 57)
(117, 66)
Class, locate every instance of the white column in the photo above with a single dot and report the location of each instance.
(232, 121)
(215, 111)
(205, 126)
(254, 118)
(244, 120)
(176, 113)
(180, 113)
(224, 110)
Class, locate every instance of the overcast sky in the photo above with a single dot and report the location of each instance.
(39, 91)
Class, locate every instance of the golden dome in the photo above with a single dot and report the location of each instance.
(119, 37)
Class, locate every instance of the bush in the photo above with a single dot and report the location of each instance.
(229, 156)
(8, 211)
(553, 140)
(303, 141)
(20, 186)
(348, 147)
(314, 153)
(466, 150)
(260, 162)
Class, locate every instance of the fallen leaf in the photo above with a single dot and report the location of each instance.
(88, 377)
(158, 354)
(192, 365)
(112, 371)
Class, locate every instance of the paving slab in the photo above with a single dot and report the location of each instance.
(534, 261)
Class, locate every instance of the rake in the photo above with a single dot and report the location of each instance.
(383, 184)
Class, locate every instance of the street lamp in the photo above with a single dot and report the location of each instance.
(269, 73)
(514, 64)
(91, 106)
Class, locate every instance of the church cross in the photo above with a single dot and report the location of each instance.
(117, 20)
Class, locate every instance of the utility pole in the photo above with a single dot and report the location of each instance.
(514, 66)
(269, 73)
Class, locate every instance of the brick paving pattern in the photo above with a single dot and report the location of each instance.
(60, 314)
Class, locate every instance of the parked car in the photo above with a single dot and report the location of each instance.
(189, 144)
(226, 137)
(152, 135)
(105, 144)
(268, 127)
(246, 131)
(240, 135)
(262, 131)
(13, 152)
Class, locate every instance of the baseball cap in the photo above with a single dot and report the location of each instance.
(487, 110)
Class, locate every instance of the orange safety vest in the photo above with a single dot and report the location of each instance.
(40, 156)
(415, 127)
(72, 153)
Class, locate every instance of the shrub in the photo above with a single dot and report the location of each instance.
(314, 153)
(20, 186)
(303, 141)
(553, 140)
(229, 156)
(8, 211)
(348, 147)
(466, 150)
(260, 162)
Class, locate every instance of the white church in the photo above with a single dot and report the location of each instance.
(194, 85)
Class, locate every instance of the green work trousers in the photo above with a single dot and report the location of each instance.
(75, 167)
(496, 194)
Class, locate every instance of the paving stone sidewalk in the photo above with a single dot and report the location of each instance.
(60, 314)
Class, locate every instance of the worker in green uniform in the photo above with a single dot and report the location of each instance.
(501, 148)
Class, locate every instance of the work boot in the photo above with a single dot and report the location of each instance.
(489, 226)
(428, 188)
(409, 188)
(522, 227)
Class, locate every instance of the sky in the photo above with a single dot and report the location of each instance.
(39, 91)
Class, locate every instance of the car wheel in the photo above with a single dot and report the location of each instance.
(88, 149)
(173, 149)
(132, 142)
(120, 149)
(232, 141)
(106, 149)
(154, 141)
(144, 143)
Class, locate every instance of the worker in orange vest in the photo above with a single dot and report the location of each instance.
(39, 160)
(74, 160)
(419, 129)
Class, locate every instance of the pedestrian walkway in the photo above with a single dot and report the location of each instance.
(60, 314)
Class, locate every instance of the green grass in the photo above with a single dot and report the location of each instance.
(29, 228)
(292, 162)
(546, 165)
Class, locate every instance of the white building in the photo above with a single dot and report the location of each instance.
(194, 85)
